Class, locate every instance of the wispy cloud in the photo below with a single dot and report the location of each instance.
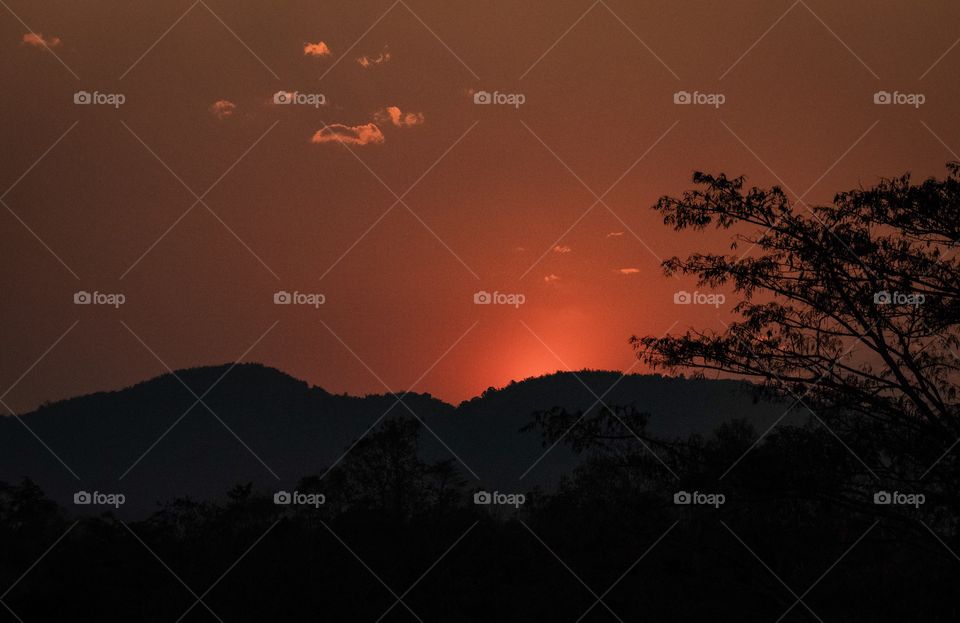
(562, 249)
(222, 109)
(394, 115)
(366, 134)
(551, 278)
(367, 62)
(628, 271)
(615, 234)
(37, 40)
(318, 49)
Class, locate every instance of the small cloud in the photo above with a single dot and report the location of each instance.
(316, 50)
(365, 134)
(37, 40)
(370, 61)
(628, 271)
(222, 109)
(551, 278)
(395, 116)
(562, 248)
(615, 234)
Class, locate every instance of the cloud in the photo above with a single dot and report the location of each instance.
(551, 278)
(222, 109)
(628, 271)
(365, 134)
(317, 50)
(394, 115)
(37, 40)
(562, 248)
(370, 61)
(614, 234)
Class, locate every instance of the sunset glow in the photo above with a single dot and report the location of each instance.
(500, 311)
(400, 174)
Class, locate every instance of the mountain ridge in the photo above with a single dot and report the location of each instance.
(229, 368)
(153, 441)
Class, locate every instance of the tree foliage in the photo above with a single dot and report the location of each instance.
(852, 309)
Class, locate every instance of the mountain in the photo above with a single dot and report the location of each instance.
(152, 442)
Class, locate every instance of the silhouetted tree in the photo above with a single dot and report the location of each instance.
(384, 472)
(851, 308)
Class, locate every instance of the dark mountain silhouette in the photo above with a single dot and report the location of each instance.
(130, 441)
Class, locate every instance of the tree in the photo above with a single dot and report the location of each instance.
(383, 472)
(852, 309)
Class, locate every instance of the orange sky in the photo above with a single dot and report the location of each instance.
(500, 194)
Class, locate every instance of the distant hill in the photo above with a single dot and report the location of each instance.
(298, 430)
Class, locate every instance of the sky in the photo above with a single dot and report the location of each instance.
(388, 189)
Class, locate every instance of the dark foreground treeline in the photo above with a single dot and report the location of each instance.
(797, 524)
